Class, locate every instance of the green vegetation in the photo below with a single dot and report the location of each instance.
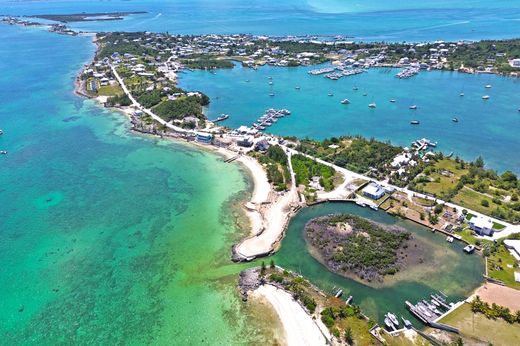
(355, 153)
(494, 311)
(207, 63)
(478, 326)
(305, 169)
(150, 99)
(348, 243)
(118, 100)
(501, 264)
(472, 186)
(179, 108)
(275, 164)
(121, 43)
(484, 53)
(110, 90)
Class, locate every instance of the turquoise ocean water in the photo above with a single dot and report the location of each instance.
(366, 20)
(111, 238)
(106, 237)
(244, 94)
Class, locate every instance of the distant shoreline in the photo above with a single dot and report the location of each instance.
(86, 17)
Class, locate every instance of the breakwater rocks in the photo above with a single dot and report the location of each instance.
(249, 280)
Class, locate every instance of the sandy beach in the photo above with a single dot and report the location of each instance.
(300, 328)
(268, 211)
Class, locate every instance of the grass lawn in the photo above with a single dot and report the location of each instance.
(467, 235)
(440, 183)
(360, 330)
(471, 199)
(498, 267)
(402, 340)
(498, 226)
(110, 90)
(478, 326)
(424, 201)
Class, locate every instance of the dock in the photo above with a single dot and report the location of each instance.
(429, 313)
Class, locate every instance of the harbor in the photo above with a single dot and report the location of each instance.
(321, 116)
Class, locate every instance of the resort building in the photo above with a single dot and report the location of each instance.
(515, 63)
(373, 190)
(481, 225)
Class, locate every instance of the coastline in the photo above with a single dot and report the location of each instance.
(268, 212)
(300, 328)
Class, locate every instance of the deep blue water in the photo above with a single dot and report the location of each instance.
(368, 20)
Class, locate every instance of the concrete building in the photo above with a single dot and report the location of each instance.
(481, 225)
(203, 137)
(373, 190)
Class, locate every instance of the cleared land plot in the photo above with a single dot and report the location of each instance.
(478, 326)
(472, 199)
(500, 295)
(443, 183)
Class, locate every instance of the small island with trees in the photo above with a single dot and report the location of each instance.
(360, 249)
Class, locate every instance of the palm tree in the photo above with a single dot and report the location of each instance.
(348, 336)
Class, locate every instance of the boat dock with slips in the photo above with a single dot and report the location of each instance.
(428, 312)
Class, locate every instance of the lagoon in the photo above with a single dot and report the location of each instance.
(446, 268)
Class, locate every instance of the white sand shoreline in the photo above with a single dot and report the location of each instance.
(300, 328)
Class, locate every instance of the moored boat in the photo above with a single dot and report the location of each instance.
(345, 101)
(415, 122)
(485, 97)
(413, 107)
(392, 318)
(372, 105)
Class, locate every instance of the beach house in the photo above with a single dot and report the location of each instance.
(481, 225)
(373, 190)
(203, 137)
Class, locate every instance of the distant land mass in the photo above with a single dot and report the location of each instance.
(86, 17)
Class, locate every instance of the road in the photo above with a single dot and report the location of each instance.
(350, 175)
(146, 110)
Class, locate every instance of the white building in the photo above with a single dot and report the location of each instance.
(514, 247)
(373, 190)
(481, 225)
(515, 62)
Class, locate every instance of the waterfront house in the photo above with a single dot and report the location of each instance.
(203, 137)
(515, 63)
(481, 225)
(374, 191)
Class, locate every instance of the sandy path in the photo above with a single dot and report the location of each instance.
(299, 327)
